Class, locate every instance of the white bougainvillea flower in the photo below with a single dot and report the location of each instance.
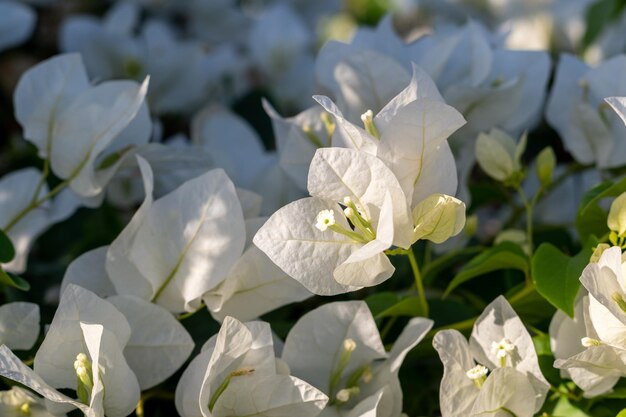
(22, 224)
(253, 286)
(19, 325)
(17, 22)
(410, 135)
(600, 359)
(358, 210)
(18, 402)
(84, 130)
(181, 71)
(342, 259)
(82, 351)
(338, 349)
(237, 375)
(566, 332)
(180, 246)
(158, 344)
(497, 371)
(590, 129)
(605, 282)
(598, 367)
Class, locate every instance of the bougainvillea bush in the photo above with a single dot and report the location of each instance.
(292, 208)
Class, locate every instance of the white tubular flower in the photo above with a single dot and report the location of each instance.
(325, 218)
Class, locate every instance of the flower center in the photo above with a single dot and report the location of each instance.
(478, 375)
(363, 231)
(502, 350)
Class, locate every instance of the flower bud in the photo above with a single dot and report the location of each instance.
(546, 161)
(617, 215)
(597, 252)
(438, 217)
(499, 156)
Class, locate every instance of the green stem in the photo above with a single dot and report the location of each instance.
(35, 203)
(528, 205)
(418, 281)
(190, 313)
(388, 325)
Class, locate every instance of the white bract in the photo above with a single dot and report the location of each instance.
(17, 22)
(19, 325)
(589, 128)
(507, 375)
(237, 375)
(254, 285)
(83, 130)
(236, 147)
(245, 285)
(158, 344)
(281, 48)
(180, 246)
(598, 367)
(20, 221)
(82, 351)
(18, 402)
(338, 349)
(400, 163)
(180, 71)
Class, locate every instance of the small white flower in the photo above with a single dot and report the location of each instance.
(502, 348)
(477, 372)
(325, 218)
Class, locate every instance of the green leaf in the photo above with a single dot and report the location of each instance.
(598, 16)
(566, 409)
(409, 306)
(380, 302)
(505, 255)
(621, 413)
(556, 274)
(591, 219)
(7, 251)
(12, 280)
